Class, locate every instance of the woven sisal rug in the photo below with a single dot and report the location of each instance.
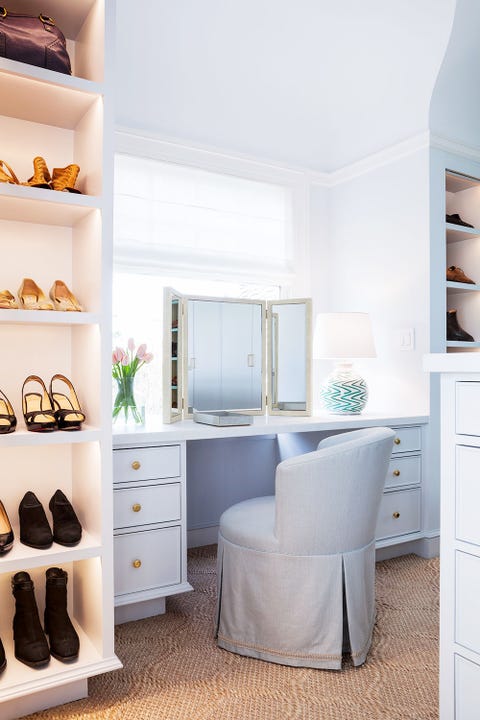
(174, 671)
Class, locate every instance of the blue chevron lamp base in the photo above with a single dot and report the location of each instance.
(344, 392)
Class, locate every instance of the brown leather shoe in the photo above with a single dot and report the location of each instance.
(456, 274)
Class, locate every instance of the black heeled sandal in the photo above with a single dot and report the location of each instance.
(68, 412)
(6, 532)
(8, 421)
(37, 408)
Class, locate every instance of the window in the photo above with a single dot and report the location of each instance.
(200, 232)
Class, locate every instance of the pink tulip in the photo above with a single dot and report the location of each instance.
(125, 360)
(117, 355)
(131, 344)
(148, 357)
(142, 349)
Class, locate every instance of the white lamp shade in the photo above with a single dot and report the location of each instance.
(343, 335)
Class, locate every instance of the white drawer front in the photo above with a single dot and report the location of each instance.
(467, 402)
(404, 471)
(149, 463)
(467, 689)
(399, 513)
(146, 505)
(407, 439)
(467, 491)
(467, 592)
(146, 560)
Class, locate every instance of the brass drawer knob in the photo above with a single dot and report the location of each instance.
(136, 564)
(397, 441)
(136, 465)
(396, 473)
(396, 515)
(136, 507)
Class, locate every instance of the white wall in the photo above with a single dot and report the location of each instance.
(378, 262)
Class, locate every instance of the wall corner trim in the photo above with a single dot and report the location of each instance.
(455, 147)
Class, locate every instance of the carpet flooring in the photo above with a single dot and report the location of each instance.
(174, 671)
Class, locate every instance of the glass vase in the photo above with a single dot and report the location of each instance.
(125, 407)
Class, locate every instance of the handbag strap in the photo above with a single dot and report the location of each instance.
(3, 12)
(45, 19)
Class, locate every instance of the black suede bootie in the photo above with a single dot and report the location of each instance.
(31, 645)
(66, 527)
(3, 659)
(64, 642)
(454, 331)
(34, 528)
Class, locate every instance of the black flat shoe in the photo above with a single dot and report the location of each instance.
(455, 219)
(37, 407)
(6, 533)
(66, 526)
(34, 528)
(68, 413)
(8, 421)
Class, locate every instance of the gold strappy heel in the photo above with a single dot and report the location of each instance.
(7, 300)
(63, 298)
(64, 179)
(41, 175)
(32, 297)
(7, 177)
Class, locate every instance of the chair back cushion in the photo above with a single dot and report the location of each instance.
(327, 501)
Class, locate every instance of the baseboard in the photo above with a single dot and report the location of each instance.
(20, 706)
(426, 547)
(202, 536)
(139, 610)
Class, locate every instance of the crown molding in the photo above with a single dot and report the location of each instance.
(455, 147)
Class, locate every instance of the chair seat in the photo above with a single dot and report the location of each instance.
(251, 524)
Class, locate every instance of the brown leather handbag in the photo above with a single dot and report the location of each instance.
(33, 39)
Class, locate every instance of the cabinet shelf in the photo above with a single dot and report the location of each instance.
(456, 287)
(21, 557)
(47, 207)
(458, 344)
(18, 679)
(39, 74)
(47, 317)
(25, 438)
(457, 233)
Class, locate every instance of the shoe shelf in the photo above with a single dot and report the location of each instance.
(459, 344)
(457, 233)
(25, 438)
(46, 207)
(48, 317)
(42, 75)
(22, 557)
(19, 680)
(457, 287)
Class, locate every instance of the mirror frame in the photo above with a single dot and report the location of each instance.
(308, 356)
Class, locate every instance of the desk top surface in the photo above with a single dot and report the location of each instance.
(154, 431)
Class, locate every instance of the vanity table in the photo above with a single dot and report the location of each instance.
(154, 465)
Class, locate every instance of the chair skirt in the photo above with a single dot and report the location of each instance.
(289, 609)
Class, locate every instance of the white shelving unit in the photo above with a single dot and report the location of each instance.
(462, 196)
(49, 235)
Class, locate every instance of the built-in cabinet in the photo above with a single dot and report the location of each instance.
(49, 235)
(462, 198)
(149, 528)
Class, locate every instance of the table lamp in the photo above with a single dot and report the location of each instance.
(343, 336)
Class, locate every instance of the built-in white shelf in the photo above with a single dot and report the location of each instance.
(18, 679)
(47, 317)
(47, 207)
(458, 344)
(457, 287)
(456, 182)
(21, 557)
(457, 233)
(21, 437)
(38, 74)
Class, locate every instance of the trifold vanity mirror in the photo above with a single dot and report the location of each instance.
(235, 355)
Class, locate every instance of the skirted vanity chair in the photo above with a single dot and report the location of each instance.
(296, 571)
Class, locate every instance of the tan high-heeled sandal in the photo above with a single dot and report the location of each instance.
(32, 297)
(64, 179)
(63, 299)
(41, 175)
(7, 300)
(7, 177)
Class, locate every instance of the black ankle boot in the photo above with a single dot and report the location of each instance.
(454, 331)
(3, 659)
(64, 642)
(66, 527)
(31, 645)
(34, 528)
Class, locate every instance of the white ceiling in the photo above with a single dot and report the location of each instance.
(311, 83)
